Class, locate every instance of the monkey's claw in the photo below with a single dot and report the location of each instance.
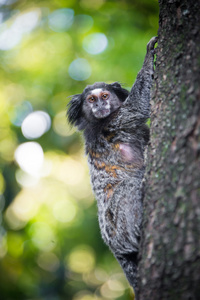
(151, 43)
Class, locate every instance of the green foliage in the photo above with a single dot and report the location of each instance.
(50, 245)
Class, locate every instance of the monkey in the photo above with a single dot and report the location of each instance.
(113, 121)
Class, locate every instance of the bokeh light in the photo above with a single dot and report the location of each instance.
(95, 43)
(81, 259)
(48, 261)
(90, 4)
(113, 288)
(83, 23)
(23, 208)
(70, 171)
(24, 23)
(61, 19)
(19, 112)
(30, 158)
(50, 243)
(61, 126)
(26, 180)
(80, 69)
(43, 236)
(86, 295)
(9, 38)
(64, 211)
(36, 124)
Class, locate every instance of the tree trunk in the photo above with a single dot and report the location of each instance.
(170, 249)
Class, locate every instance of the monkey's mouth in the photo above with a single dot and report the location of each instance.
(102, 113)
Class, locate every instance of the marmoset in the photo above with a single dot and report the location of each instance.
(113, 122)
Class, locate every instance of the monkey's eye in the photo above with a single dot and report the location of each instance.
(105, 96)
(91, 99)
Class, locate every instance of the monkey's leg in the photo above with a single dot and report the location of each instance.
(123, 222)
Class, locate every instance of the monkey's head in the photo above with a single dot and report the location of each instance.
(97, 102)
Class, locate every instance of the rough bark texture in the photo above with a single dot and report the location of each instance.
(170, 250)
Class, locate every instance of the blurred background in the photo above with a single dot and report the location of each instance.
(50, 244)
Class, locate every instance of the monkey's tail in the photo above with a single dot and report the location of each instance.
(129, 264)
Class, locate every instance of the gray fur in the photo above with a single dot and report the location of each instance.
(115, 147)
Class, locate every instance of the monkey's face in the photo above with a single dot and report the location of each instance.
(100, 102)
(96, 102)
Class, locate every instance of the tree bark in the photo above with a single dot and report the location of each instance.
(170, 250)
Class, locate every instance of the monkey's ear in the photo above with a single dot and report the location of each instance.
(74, 109)
(116, 85)
(121, 93)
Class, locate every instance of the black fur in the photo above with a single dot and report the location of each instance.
(74, 113)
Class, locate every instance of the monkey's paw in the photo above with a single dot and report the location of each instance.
(151, 44)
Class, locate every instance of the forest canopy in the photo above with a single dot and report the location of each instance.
(50, 245)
